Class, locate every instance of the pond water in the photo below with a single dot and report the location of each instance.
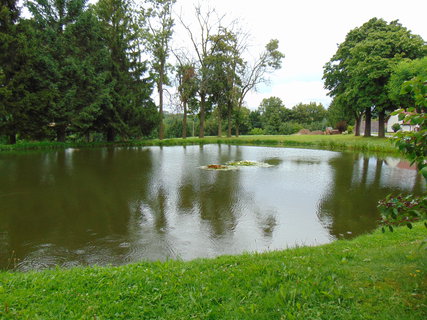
(113, 206)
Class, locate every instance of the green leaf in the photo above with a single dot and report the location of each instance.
(409, 225)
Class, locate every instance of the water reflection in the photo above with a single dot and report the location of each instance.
(349, 208)
(115, 206)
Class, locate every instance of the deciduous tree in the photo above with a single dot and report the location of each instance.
(359, 71)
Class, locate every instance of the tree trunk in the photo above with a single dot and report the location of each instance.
(357, 128)
(12, 139)
(368, 116)
(60, 134)
(184, 122)
(229, 114)
(237, 129)
(161, 125)
(219, 124)
(110, 134)
(202, 115)
(381, 124)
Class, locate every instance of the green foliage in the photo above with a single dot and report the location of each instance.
(402, 210)
(256, 131)
(344, 280)
(158, 37)
(405, 71)
(413, 145)
(290, 127)
(306, 114)
(358, 73)
(396, 127)
(272, 114)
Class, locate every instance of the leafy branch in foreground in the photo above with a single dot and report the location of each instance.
(403, 210)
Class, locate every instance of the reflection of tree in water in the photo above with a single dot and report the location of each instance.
(218, 194)
(68, 198)
(347, 210)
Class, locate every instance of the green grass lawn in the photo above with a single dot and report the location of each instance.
(376, 276)
(334, 142)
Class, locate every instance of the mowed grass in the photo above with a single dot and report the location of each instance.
(328, 142)
(376, 276)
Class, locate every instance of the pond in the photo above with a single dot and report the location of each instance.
(112, 206)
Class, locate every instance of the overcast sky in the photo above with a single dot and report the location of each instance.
(308, 32)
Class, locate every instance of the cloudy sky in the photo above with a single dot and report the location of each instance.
(308, 32)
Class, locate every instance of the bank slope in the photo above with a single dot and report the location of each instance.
(377, 276)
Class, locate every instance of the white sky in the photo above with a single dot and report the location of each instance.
(308, 32)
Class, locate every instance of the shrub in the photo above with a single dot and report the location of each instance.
(350, 129)
(288, 128)
(256, 132)
(341, 126)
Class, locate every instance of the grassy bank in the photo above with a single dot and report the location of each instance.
(335, 142)
(378, 276)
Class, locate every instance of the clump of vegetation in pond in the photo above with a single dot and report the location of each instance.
(247, 163)
(233, 165)
(242, 163)
(218, 167)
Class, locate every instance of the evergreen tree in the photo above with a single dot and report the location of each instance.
(130, 111)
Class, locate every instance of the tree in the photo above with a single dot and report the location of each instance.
(224, 63)
(129, 110)
(272, 112)
(52, 19)
(359, 71)
(255, 73)
(208, 24)
(338, 113)
(9, 14)
(187, 88)
(159, 34)
(309, 113)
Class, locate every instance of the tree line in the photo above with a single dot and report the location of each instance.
(79, 71)
(88, 72)
(270, 118)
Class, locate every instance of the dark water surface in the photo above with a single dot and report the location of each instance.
(116, 206)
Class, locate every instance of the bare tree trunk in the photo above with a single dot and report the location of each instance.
(202, 115)
(110, 134)
(229, 113)
(368, 116)
(12, 139)
(184, 121)
(381, 124)
(219, 125)
(161, 125)
(357, 128)
(60, 134)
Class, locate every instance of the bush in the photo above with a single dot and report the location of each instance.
(315, 126)
(350, 129)
(396, 127)
(256, 132)
(288, 128)
(341, 126)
